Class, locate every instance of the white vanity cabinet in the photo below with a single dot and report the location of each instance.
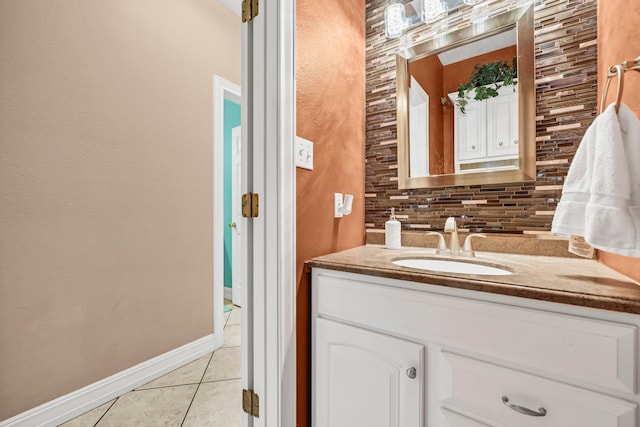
(486, 134)
(479, 359)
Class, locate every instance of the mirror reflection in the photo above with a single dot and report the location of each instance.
(466, 106)
(453, 130)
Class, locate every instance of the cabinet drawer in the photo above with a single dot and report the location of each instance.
(578, 349)
(454, 419)
(476, 390)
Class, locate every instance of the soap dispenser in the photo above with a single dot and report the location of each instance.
(392, 232)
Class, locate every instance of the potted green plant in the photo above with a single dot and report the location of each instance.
(486, 80)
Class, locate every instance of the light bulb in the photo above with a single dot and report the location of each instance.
(479, 13)
(394, 21)
(433, 10)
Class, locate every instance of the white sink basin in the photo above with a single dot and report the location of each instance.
(448, 266)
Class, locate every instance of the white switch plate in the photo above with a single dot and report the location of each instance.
(337, 205)
(304, 153)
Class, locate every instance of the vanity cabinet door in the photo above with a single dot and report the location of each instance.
(363, 378)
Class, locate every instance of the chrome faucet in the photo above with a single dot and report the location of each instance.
(454, 244)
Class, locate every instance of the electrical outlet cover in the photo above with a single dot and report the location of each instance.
(304, 153)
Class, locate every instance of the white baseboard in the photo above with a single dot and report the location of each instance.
(78, 402)
(228, 293)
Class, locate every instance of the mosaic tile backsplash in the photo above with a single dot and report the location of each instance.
(566, 104)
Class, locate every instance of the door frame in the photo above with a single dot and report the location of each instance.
(268, 134)
(222, 89)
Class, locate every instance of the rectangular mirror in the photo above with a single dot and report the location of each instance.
(485, 136)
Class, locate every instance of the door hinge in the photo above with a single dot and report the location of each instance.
(249, 10)
(250, 205)
(251, 403)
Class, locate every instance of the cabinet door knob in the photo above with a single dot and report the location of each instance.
(473, 147)
(412, 373)
(541, 412)
(232, 225)
(515, 142)
(500, 143)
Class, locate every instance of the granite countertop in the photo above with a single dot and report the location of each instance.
(573, 281)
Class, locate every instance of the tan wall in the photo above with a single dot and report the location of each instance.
(459, 72)
(618, 22)
(330, 112)
(105, 185)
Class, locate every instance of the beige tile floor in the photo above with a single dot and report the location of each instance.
(203, 393)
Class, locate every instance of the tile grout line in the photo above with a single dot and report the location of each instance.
(105, 412)
(197, 388)
(163, 386)
(221, 380)
(189, 407)
(228, 317)
(206, 368)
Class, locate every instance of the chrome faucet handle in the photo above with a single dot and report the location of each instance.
(467, 250)
(442, 244)
(450, 226)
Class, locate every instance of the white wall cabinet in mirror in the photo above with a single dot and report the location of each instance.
(486, 133)
(491, 140)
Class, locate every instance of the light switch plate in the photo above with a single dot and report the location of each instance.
(304, 153)
(337, 205)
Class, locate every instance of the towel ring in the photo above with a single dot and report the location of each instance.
(616, 70)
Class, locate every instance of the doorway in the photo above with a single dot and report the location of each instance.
(227, 227)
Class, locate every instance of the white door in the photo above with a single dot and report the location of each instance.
(418, 130)
(236, 214)
(268, 241)
(363, 378)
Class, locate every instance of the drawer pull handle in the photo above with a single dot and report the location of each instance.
(412, 373)
(541, 412)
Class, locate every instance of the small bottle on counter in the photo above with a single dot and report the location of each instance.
(392, 232)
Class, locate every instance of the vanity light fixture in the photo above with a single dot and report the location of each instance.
(395, 21)
(433, 10)
(471, 2)
(479, 13)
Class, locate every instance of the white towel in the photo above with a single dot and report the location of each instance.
(601, 195)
